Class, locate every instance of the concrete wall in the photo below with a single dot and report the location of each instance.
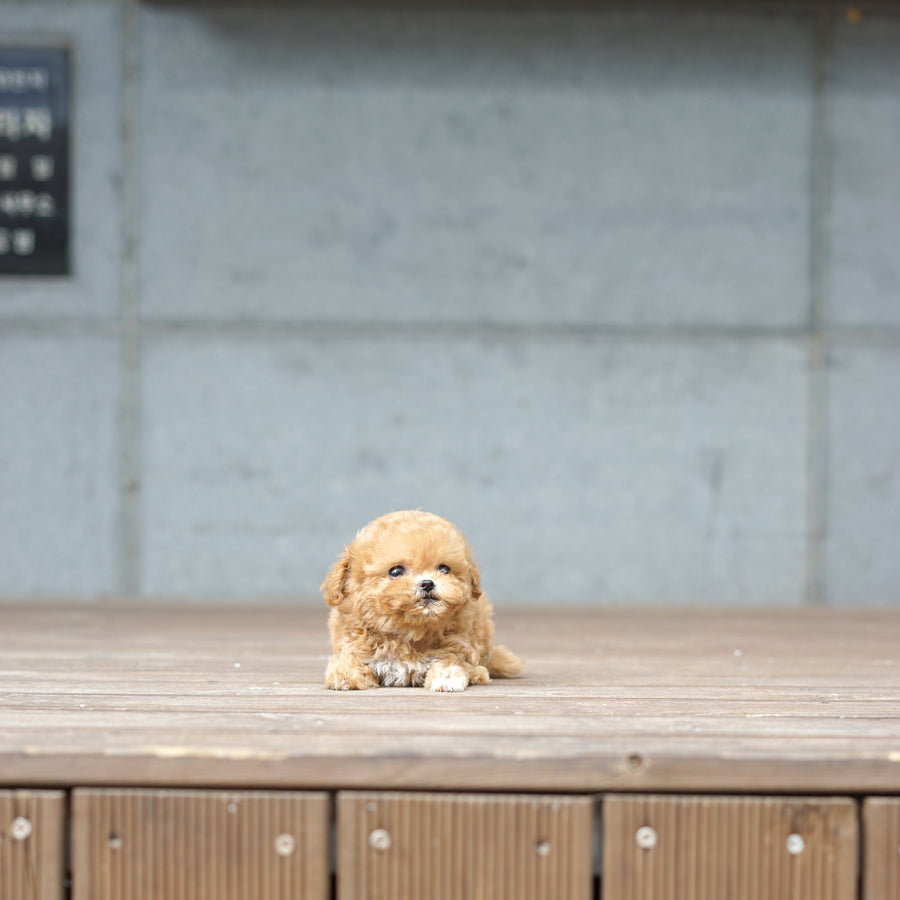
(618, 291)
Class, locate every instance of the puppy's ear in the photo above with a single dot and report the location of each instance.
(333, 587)
(475, 577)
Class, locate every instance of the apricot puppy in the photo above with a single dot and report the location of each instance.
(407, 609)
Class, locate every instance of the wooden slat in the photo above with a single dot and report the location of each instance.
(394, 846)
(743, 848)
(881, 851)
(199, 845)
(804, 701)
(32, 845)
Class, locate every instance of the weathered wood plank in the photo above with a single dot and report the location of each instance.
(744, 848)
(394, 846)
(199, 845)
(881, 850)
(788, 700)
(32, 845)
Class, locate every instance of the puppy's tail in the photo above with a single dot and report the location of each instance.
(503, 663)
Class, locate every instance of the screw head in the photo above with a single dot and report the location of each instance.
(795, 844)
(20, 829)
(542, 848)
(646, 838)
(285, 844)
(380, 839)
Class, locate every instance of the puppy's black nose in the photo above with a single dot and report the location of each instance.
(426, 585)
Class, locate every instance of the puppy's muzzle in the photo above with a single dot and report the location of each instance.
(425, 593)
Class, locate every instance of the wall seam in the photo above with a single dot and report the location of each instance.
(820, 187)
(129, 487)
(387, 330)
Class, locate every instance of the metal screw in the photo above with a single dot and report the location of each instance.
(542, 848)
(285, 844)
(20, 829)
(646, 838)
(115, 842)
(795, 844)
(380, 839)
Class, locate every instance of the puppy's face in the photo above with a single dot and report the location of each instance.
(405, 572)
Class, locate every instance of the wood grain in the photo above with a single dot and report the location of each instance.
(639, 700)
(881, 852)
(396, 846)
(708, 848)
(199, 845)
(32, 845)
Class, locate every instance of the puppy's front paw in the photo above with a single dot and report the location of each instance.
(343, 676)
(446, 678)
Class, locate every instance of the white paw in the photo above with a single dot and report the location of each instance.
(453, 678)
(390, 672)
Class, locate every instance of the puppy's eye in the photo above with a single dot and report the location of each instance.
(444, 570)
(397, 571)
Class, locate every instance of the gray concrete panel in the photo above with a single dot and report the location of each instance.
(470, 166)
(864, 222)
(582, 472)
(94, 32)
(58, 475)
(862, 546)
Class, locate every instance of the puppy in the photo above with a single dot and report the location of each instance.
(407, 609)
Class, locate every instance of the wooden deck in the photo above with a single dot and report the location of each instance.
(193, 753)
(803, 701)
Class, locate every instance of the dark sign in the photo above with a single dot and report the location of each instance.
(34, 160)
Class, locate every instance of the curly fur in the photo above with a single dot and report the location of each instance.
(407, 610)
